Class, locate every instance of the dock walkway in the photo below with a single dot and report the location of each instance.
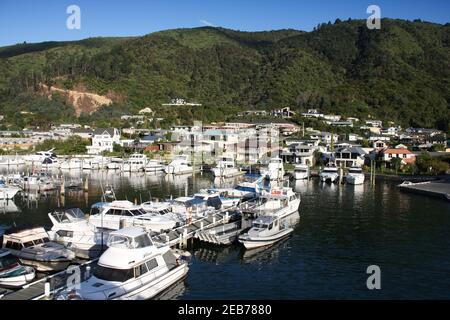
(439, 189)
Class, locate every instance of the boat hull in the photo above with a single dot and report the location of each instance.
(18, 281)
(46, 266)
(257, 242)
(355, 179)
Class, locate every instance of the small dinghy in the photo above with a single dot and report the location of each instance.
(12, 273)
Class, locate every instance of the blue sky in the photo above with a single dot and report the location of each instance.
(43, 20)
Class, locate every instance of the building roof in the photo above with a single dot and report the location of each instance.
(110, 131)
(397, 151)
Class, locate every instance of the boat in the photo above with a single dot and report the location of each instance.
(114, 164)
(226, 167)
(39, 157)
(266, 231)
(163, 210)
(275, 169)
(278, 201)
(34, 248)
(135, 163)
(99, 162)
(8, 162)
(179, 165)
(12, 273)
(71, 229)
(38, 182)
(120, 213)
(329, 173)
(244, 190)
(133, 268)
(8, 192)
(50, 162)
(301, 171)
(216, 197)
(154, 166)
(355, 176)
(72, 164)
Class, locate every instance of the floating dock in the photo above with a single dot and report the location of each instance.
(437, 189)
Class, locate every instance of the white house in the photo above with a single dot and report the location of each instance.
(103, 140)
(325, 137)
(404, 154)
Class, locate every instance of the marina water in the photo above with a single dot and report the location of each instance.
(343, 229)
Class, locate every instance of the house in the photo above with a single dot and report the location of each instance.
(352, 137)
(331, 118)
(404, 154)
(283, 113)
(299, 154)
(103, 139)
(83, 133)
(252, 113)
(312, 113)
(391, 131)
(380, 138)
(374, 123)
(349, 156)
(379, 145)
(325, 137)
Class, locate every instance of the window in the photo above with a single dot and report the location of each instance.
(151, 264)
(109, 274)
(65, 233)
(13, 245)
(270, 226)
(140, 270)
(28, 244)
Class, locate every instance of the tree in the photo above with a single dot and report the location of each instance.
(396, 164)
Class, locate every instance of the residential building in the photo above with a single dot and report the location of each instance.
(349, 156)
(404, 154)
(103, 139)
(299, 154)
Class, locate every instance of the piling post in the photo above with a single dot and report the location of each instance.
(86, 184)
(47, 289)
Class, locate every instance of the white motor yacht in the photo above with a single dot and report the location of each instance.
(275, 169)
(154, 166)
(115, 164)
(38, 158)
(135, 163)
(279, 201)
(133, 268)
(301, 171)
(355, 175)
(226, 167)
(119, 213)
(179, 165)
(72, 164)
(73, 230)
(12, 273)
(33, 247)
(329, 173)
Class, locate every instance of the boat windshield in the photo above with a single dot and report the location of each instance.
(121, 241)
(355, 170)
(245, 189)
(110, 274)
(259, 225)
(8, 261)
(68, 216)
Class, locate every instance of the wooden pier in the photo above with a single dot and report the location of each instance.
(438, 189)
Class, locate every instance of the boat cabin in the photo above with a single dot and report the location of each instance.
(25, 239)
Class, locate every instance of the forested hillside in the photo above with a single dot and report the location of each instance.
(399, 73)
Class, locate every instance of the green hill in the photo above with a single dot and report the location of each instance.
(399, 73)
